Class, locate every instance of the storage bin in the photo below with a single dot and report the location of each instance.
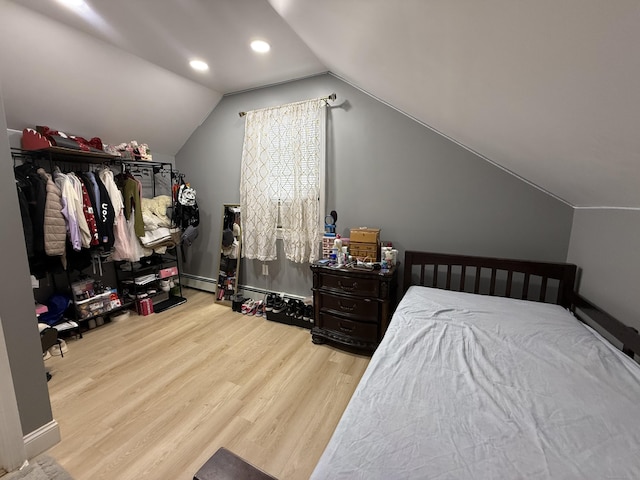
(365, 235)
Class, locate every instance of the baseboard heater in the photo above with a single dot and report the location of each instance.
(200, 283)
(262, 291)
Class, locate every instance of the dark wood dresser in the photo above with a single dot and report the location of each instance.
(352, 307)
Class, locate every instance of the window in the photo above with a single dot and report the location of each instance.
(282, 180)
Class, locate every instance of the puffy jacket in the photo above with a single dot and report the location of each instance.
(55, 229)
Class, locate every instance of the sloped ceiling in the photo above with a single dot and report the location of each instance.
(545, 89)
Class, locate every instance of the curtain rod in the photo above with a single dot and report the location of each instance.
(331, 97)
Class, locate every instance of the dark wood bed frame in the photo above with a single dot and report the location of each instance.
(523, 279)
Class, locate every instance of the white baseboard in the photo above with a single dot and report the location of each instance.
(201, 283)
(42, 439)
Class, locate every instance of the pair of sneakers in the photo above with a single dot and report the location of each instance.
(253, 307)
(274, 303)
(295, 308)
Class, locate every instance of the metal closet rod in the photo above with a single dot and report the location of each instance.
(331, 97)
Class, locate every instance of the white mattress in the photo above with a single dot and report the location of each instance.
(466, 386)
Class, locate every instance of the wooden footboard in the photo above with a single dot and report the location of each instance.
(522, 279)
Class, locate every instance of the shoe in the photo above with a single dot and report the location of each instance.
(300, 307)
(260, 308)
(254, 308)
(279, 305)
(308, 313)
(269, 301)
(247, 306)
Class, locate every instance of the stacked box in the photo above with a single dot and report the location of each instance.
(327, 245)
(144, 306)
(168, 272)
(364, 244)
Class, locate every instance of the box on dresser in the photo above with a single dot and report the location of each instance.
(364, 243)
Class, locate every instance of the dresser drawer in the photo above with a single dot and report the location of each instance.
(364, 308)
(363, 287)
(353, 329)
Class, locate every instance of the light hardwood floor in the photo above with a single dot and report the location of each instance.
(154, 397)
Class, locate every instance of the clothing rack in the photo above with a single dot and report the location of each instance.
(69, 160)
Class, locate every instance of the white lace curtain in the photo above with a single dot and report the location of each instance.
(280, 184)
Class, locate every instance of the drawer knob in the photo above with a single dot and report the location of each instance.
(347, 308)
(346, 329)
(348, 288)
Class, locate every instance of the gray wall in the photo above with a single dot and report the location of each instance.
(605, 245)
(16, 303)
(384, 170)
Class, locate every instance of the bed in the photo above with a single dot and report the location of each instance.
(486, 371)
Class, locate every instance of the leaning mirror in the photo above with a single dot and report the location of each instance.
(229, 266)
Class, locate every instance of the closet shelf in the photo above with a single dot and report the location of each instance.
(57, 153)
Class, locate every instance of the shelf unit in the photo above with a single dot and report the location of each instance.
(65, 158)
(150, 277)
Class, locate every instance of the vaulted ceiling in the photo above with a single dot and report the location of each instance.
(547, 89)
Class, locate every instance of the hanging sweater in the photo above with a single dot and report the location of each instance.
(131, 192)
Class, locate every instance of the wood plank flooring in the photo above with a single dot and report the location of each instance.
(154, 397)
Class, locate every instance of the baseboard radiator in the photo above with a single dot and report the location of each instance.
(209, 285)
(200, 283)
(258, 293)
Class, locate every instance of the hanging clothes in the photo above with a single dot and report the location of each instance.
(32, 194)
(88, 210)
(131, 192)
(91, 187)
(105, 211)
(54, 226)
(68, 208)
(83, 224)
(122, 248)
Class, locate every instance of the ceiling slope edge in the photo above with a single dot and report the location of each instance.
(435, 130)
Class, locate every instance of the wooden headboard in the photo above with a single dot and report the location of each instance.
(523, 279)
(527, 280)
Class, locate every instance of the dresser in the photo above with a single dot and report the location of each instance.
(352, 307)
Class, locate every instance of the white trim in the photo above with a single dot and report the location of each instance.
(12, 451)
(201, 283)
(42, 439)
(635, 209)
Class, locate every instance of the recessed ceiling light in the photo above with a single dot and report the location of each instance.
(199, 65)
(260, 46)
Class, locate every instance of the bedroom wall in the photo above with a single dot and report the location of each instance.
(604, 245)
(16, 303)
(384, 170)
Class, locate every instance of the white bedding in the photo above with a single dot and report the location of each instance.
(469, 386)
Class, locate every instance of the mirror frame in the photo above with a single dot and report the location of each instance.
(228, 290)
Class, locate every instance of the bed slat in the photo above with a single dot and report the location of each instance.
(492, 287)
(543, 289)
(525, 288)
